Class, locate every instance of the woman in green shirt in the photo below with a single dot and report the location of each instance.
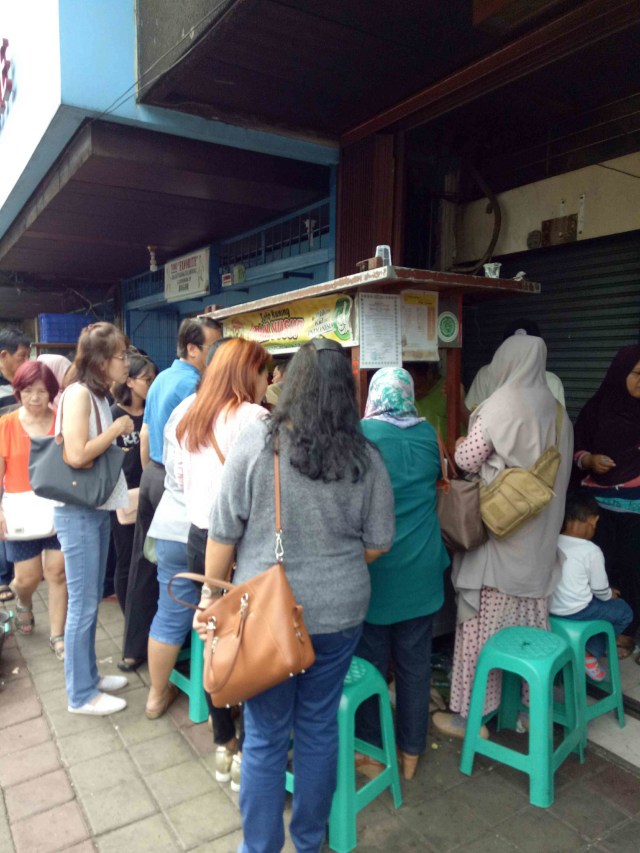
(407, 586)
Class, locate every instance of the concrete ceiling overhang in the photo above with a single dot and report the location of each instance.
(118, 189)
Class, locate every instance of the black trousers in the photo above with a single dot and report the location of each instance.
(122, 536)
(618, 534)
(142, 588)
(224, 728)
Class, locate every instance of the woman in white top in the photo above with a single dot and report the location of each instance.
(234, 380)
(84, 420)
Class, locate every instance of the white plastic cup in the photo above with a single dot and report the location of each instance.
(492, 270)
(384, 252)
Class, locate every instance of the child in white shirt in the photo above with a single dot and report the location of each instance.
(584, 592)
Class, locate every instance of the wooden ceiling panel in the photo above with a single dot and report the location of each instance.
(117, 190)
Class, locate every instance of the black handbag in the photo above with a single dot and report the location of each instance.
(51, 477)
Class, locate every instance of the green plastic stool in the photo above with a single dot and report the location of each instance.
(192, 684)
(362, 682)
(577, 634)
(537, 656)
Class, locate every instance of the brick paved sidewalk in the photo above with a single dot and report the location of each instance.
(124, 783)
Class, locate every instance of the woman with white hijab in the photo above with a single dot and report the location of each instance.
(507, 582)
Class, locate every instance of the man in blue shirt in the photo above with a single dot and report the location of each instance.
(169, 389)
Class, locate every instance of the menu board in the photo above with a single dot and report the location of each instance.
(419, 325)
(380, 332)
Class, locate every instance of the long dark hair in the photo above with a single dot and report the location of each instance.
(138, 364)
(317, 411)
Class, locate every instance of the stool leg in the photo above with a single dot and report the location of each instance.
(389, 747)
(540, 744)
(342, 818)
(614, 675)
(198, 708)
(474, 720)
(510, 701)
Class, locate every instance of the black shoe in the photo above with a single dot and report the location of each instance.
(130, 665)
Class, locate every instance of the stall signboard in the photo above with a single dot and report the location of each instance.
(187, 277)
(286, 327)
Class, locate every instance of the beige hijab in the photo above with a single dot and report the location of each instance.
(519, 421)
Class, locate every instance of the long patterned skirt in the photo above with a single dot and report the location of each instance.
(497, 611)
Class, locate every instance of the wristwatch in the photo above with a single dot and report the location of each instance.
(207, 592)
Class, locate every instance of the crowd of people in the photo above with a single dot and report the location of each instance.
(363, 549)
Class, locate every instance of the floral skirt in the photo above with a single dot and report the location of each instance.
(497, 611)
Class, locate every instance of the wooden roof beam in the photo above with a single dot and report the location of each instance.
(590, 23)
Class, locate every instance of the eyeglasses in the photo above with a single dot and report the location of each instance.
(123, 357)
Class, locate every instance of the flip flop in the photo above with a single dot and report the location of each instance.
(6, 593)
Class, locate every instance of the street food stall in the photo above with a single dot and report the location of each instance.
(385, 315)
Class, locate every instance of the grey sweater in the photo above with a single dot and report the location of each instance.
(326, 527)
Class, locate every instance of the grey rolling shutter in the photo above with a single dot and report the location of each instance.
(589, 308)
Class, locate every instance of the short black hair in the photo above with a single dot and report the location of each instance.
(210, 323)
(190, 332)
(11, 339)
(528, 327)
(580, 506)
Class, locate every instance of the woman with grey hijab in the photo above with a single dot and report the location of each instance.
(507, 582)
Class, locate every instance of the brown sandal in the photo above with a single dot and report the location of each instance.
(170, 696)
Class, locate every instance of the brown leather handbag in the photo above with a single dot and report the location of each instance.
(461, 524)
(256, 636)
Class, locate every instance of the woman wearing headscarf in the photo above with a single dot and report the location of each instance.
(506, 582)
(407, 588)
(608, 456)
(59, 365)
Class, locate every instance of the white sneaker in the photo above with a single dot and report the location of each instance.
(236, 764)
(104, 705)
(112, 683)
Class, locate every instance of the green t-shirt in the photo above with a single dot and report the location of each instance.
(433, 407)
(407, 581)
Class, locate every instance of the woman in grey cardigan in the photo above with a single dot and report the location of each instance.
(337, 515)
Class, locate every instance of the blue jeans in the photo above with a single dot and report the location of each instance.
(308, 705)
(172, 621)
(6, 566)
(408, 645)
(615, 611)
(84, 537)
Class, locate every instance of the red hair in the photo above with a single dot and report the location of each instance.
(229, 381)
(35, 371)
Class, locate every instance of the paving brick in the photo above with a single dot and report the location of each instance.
(84, 847)
(81, 747)
(6, 841)
(101, 773)
(49, 679)
(29, 763)
(38, 795)
(146, 836)
(200, 739)
(27, 709)
(119, 806)
(163, 752)
(179, 712)
(55, 700)
(226, 844)
(43, 663)
(24, 735)
(204, 818)
(175, 785)
(135, 728)
(63, 723)
(56, 829)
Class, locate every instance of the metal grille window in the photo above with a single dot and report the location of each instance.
(305, 232)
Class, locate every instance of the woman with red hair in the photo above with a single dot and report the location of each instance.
(198, 436)
(35, 387)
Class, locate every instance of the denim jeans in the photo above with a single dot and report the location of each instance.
(172, 621)
(6, 566)
(308, 705)
(615, 611)
(84, 537)
(408, 645)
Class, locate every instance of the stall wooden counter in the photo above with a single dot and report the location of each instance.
(394, 280)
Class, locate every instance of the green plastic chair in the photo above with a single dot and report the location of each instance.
(577, 634)
(192, 684)
(362, 682)
(537, 656)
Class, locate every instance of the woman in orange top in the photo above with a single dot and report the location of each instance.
(34, 386)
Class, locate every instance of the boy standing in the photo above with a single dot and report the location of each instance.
(584, 592)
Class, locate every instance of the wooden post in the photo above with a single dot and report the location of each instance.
(454, 374)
